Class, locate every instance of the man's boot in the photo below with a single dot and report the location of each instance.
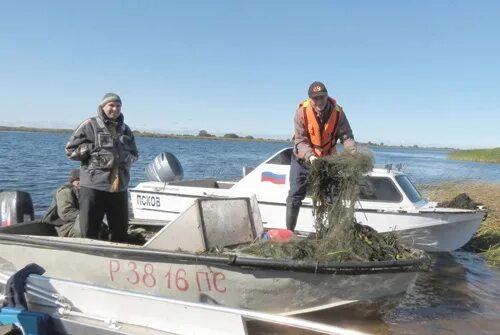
(292, 213)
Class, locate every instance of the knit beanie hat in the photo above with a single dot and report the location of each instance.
(74, 175)
(109, 97)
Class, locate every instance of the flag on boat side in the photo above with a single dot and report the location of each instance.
(273, 177)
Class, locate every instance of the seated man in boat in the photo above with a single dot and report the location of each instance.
(106, 148)
(64, 211)
(318, 124)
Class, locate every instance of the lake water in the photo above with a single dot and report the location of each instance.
(461, 295)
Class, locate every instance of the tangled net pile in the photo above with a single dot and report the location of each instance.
(334, 184)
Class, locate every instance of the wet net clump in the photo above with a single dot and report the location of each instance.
(462, 201)
(334, 184)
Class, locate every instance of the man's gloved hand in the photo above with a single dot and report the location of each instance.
(129, 160)
(350, 146)
(83, 152)
(312, 158)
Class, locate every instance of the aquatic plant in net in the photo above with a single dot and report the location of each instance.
(334, 183)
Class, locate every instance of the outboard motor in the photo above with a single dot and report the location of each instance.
(165, 168)
(15, 207)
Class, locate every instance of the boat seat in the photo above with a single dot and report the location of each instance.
(30, 228)
(205, 183)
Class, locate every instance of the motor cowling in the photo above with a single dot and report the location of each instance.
(165, 168)
(15, 207)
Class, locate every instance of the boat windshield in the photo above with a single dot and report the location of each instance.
(282, 158)
(408, 187)
(379, 189)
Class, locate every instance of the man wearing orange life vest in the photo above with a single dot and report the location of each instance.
(319, 123)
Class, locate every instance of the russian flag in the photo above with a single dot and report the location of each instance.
(273, 178)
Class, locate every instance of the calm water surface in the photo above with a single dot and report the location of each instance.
(461, 295)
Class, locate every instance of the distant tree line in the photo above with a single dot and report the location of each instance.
(204, 133)
(375, 144)
(381, 144)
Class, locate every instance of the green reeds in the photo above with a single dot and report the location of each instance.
(477, 155)
(492, 255)
(487, 239)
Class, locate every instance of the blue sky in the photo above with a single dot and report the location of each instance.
(406, 72)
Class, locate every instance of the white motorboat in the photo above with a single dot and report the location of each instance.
(389, 203)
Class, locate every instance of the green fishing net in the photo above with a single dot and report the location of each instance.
(334, 184)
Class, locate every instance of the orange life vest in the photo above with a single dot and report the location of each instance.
(321, 138)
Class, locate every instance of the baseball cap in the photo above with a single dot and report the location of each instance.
(317, 89)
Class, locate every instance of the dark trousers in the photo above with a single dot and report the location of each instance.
(94, 204)
(299, 170)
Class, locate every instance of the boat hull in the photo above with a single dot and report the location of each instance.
(447, 232)
(432, 231)
(73, 310)
(280, 291)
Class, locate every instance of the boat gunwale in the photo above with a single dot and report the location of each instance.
(351, 267)
(389, 210)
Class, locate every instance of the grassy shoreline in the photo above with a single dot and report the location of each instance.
(231, 137)
(477, 155)
(487, 239)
